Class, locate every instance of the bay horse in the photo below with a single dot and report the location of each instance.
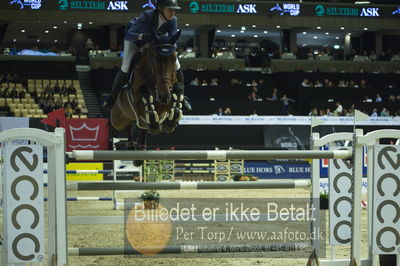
(149, 104)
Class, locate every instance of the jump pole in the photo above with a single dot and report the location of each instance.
(207, 155)
(113, 251)
(270, 184)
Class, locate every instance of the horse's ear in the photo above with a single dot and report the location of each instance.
(175, 37)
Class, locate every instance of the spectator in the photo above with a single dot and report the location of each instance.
(363, 84)
(313, 112)
(220, 112)
(384, 112)
(253, 96)
(339, 109)
(194, 82)
(374, 113)
(378, 98)
(329, 112)
(227, 111)
(90, 44)
(392, 98)
(274, 96)
(214, 82)
(318, 84)
(286, 104)
(305, 83)
(204, 83)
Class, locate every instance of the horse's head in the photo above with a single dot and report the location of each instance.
(159, 64)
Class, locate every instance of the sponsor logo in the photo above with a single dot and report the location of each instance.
(321, 10)
(34, 4)
(194, 7)
(397, 11)
(291, 9)
(370, 12)
(279, 169)
(247, 9)
(117, 5)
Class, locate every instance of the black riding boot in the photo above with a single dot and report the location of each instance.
(180, 88)
(119, 82)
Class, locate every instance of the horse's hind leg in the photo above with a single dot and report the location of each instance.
(137, 141)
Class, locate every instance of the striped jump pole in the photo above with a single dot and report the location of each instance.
(208, 155)
(87, 199)
(270, 184)
(228, 248)
(85, 171)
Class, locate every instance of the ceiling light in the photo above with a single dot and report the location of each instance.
(337, 38)
(265, 31)
(55, 27)
(342, 28)
(254, 26)
(241, 31)
(315, 37)
(65, 21)
(256, 36)
(90, 22)
(365, 28)
(14, 40)
(326, 33)
(186, 24)
(46, 31)
(55, 40)
(278, 27)
(336, 46)
(349, 33)
(79, 25)
(22, 30)
(319, 27)
(229, 25)
(37, 40)
(233, 35)
(243, 28)
(218, 30)
(304, 32)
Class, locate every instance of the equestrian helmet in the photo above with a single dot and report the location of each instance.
(173, 4)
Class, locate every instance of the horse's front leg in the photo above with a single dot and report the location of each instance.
(137, 141)
(151, 118)
(175, 113)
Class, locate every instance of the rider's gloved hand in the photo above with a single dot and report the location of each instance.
(144, 37)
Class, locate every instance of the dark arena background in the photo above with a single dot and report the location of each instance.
(257, 74)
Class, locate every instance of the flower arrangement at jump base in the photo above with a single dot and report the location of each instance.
(243, 177)
(150, 199)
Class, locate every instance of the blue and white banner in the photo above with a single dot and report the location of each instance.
(265, 170)
(284, 120)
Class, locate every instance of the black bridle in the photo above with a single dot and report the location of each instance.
(151, 80)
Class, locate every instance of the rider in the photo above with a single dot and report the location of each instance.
(138, 32)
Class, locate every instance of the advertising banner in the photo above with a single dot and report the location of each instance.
(255, 8)
(86, 134)
(23, 204)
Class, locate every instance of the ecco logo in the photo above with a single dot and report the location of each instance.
(340, 190)
(24, 193)
(383, 199)
(118, 5)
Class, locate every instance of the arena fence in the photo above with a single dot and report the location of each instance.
(382, 170)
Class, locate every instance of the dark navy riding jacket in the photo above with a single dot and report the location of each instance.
(147, 23)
